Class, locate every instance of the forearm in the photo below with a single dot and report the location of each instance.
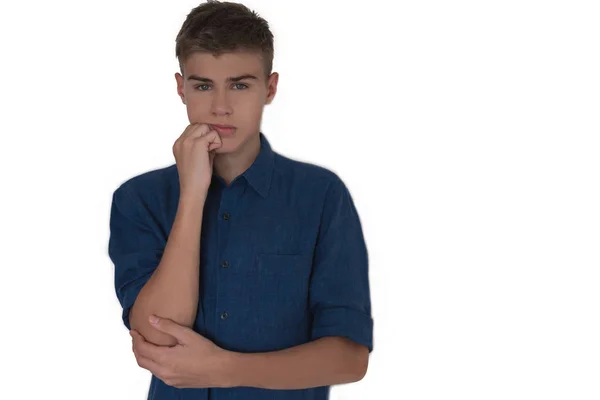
(325, 361)
(172, 290)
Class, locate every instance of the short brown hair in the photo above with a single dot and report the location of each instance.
(220, 27)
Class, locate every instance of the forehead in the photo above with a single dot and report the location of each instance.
(224, 65)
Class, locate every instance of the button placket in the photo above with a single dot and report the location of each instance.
(229, 198)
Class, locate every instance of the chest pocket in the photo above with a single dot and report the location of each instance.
(283, 284)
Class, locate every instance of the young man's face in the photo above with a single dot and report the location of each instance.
(211, 98)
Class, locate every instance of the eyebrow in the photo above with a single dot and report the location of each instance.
(230, 79)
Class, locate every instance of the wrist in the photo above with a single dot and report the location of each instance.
(191, 202)
(193, 196)
(230, 375)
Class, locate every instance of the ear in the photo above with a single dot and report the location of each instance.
(179, 81)
(272, 87)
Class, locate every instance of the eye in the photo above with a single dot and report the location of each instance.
(235, 85)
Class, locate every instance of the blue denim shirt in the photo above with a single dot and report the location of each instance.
(283, 261)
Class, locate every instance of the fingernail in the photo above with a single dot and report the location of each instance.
(153, 319)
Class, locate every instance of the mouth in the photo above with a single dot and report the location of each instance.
(226, 130)
(222, 126)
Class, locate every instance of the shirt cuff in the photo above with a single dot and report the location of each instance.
(344, 321)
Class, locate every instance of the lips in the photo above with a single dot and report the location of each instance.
(222, 126)
(224, 130)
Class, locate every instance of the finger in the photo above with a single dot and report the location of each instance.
(192, 130)
(179, 332)
(198, 134)
(201, 133)
(198, 130)
(149, 350)
(152, 366)
(213, 140)
(212, 147)
(134, 332)
(188, 129)
(135, 337)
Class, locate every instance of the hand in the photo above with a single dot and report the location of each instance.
(194, 362)
(193, 152)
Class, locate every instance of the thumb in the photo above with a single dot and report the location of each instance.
(166, 325)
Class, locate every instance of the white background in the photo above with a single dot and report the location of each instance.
(467, 132)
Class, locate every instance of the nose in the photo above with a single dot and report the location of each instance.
(220, 104)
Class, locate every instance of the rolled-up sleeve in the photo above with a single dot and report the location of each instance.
(339, 288)
(134, 248)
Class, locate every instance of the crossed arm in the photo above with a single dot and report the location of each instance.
(172, 293)
(326, 361)
(196, 362)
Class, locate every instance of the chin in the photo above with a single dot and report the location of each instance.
(223, 149)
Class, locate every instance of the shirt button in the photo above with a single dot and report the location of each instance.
(226, 216)
(224, 315)
(224, 264)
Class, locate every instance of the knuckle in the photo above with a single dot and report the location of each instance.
(198, 128)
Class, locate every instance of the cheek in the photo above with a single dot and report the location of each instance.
(253, 109)
(196, 110)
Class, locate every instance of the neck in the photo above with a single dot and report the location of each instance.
(230, 165)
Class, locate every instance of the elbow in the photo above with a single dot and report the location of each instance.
(361, 362)
(139, 322)
(155, 336)
(360, 370)
(355, 358)
(361, 373)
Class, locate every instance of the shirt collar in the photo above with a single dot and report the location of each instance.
(260, 172)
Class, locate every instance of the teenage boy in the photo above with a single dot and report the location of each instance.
(242, 274)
